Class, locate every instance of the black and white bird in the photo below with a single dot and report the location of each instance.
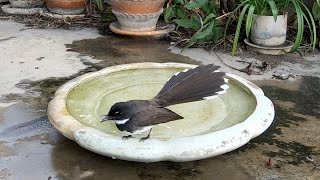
(138, 116)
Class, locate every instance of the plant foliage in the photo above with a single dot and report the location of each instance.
(199, 16)
(273, 7)
(100, 5)
(316, 10)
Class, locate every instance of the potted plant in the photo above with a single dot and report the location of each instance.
(266, 22)
(137, 15)
(66, 7)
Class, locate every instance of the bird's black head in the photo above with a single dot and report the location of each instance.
(118, 112)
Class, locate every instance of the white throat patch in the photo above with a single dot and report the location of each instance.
(121, 121)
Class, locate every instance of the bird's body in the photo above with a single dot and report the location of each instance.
(136, 116)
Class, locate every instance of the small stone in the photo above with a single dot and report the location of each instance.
(40, 58)
(44, 142)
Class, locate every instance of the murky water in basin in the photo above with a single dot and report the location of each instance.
(93, 98)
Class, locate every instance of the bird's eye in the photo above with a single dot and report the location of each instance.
(117, 112)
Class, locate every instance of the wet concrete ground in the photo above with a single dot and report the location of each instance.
(30, 148)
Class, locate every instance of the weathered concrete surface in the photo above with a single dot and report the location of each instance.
(36, 54)
(31, 149)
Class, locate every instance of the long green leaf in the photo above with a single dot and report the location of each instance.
(309, 25)
(249, 19)
(229, 20)
(300, 25)
(225, 31)
(236, 36)
(274, 9)
(100, 4)
(312, 27)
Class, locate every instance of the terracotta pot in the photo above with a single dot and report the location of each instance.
(137, 15)
(26, 3)
(66, 7)
(266, 32)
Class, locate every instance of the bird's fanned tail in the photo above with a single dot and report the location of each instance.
(202, 82)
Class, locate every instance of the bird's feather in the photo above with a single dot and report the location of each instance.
(192, 85)
(153, 116)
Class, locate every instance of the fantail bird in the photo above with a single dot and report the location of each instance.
(137, 116)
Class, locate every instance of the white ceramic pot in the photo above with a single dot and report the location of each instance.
(266, 32)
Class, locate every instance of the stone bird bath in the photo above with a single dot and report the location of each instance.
(210, 128)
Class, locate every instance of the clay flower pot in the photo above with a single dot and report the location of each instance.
(26, 3)
(137, 15)
(66, 7)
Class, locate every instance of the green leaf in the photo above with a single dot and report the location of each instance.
(249, 20)
(192, 5)
(229, 20)
(299, 12)
(208, 18)
(187, 23)
(316, 11)
(236, 36)
(206, 32)
(312, 27)
(197, 19)
(196, 4)
(168, 13)
(100, 4)
(210, 7)
(202, 3)
(201, 35)
(181, 13)
(274, 9)
(180, 2)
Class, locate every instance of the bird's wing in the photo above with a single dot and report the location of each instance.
(153, 116)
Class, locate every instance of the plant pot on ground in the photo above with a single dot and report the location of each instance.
(255, 10)
(66, 7)
(137, 15)
(26, 3)
(265, 31)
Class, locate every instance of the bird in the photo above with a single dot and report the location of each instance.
(196, 84)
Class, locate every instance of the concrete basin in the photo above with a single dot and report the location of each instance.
(209, 128)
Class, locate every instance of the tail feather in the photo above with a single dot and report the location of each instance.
(192, 85)
(181, 76)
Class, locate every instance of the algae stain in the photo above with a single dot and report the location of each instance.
(306, 102)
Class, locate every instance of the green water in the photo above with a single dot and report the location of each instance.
(93, 98)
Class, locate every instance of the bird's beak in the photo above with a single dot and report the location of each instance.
(106, 118)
